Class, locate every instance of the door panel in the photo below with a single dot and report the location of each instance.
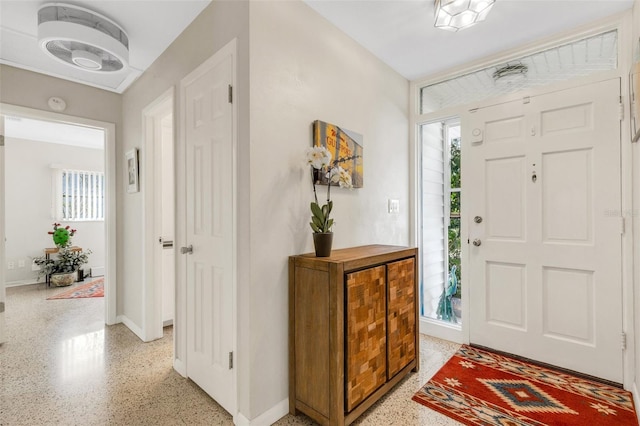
(209, 214)
(401, 319)
(506, 281)
(506, 205)
(567, 206)
(546, 278)
(576, 324)
(366, 334)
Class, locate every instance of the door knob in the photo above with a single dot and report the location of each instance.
(477, 219)
(186, 250)
(477, 242)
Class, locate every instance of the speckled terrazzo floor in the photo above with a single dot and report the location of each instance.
(62, 366)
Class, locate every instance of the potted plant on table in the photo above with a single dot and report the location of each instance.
(62, 269)
(319, 158)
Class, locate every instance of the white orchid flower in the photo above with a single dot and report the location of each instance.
(341, 177)
(318, 157)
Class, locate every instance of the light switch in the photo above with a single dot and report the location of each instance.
(394, 206)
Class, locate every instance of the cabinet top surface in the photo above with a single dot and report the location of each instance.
(352, 253)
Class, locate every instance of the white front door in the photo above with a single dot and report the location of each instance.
(208, 122)
(545, 261)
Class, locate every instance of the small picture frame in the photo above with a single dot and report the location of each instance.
(131, 160)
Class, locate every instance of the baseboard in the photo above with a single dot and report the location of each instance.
(269, 417)
(131, 326)
(636, 400)
(20, 283)
(97, 271)
(179, 366)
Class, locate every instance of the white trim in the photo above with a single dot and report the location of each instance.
(131, 326)
(152, 288)
(180, 330)
(441, 330)
(110, 191)
(179, 366)
(269, 417)
(636, 399)
(3, 332)
(19, 283)
(625, 45)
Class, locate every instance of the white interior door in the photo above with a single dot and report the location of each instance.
(546, 278)
(2, 237)
(210, 225)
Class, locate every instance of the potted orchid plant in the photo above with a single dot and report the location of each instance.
(319, 158)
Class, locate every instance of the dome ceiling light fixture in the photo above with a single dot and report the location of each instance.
(82, 38)
(455, 15)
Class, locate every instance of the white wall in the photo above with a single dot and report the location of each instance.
(303, 69)
(29, 200)
(219, 23)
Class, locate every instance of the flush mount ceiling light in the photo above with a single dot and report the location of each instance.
(81, 38)
(511, 72)
(455, 15)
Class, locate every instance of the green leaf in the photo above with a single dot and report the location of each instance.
(329, 207)
(317, 221)
(329, 225)
(314, 227)
(317, 212)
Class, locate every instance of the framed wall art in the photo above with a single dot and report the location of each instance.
(131, 160)
(345, 147)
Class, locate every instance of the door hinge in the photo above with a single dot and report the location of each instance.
(230, 94)
(230, 360)
(472, 110)
(526, 100)
(622, 226)
(621, 109)
(623, 340)
(1, 140)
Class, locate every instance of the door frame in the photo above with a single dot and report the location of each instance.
(152, 324)
(180, 318)
(110, 191)
(3, 332)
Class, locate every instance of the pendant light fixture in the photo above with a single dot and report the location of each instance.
(455, 15)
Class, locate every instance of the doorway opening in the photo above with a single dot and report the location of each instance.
(77, 184)
(159, 214)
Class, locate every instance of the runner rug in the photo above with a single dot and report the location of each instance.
(476, 387)
(94, 288)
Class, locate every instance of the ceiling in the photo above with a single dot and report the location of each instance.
(401, 33)
(52, 132)
(151, 26)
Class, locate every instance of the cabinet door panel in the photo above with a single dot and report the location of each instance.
(366, 334)
(401, 321)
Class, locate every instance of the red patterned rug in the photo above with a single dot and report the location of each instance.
(94, 288)
(476, 387)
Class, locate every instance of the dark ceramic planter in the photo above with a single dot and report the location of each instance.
(322, 242)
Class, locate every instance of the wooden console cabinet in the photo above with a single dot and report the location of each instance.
(353, 331)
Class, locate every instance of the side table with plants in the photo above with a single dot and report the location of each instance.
(62, 269)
